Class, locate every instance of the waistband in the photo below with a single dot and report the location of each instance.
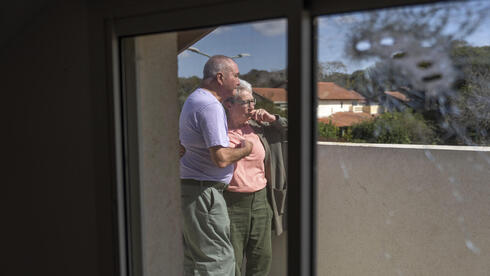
(246, 195)
(245, 199)
(220, 186)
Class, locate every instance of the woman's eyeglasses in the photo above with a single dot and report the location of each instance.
(241, 102)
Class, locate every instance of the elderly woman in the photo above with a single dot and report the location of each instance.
(256, 194)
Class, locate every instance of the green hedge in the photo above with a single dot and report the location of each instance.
(405, 127)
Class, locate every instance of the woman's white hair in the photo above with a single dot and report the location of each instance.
(243, 87)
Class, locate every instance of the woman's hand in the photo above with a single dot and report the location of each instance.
(261, 115)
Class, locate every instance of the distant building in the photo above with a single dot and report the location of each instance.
(336, 104)
(333, 98)
(278, 96)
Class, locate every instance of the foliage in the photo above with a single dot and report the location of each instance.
(262, 78)
(445, 79)
(405, 127)
(473, 99)
(333, 71)
(327, 131)
(271, 108)
(186, 86)
(358, 81)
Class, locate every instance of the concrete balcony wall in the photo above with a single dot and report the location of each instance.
(418, 210)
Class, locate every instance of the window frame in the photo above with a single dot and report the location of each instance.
(300, 15)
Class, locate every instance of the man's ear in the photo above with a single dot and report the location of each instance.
(220, 78)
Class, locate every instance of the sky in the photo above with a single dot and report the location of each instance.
(266, 42)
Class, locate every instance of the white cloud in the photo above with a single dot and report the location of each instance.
(221, 30)
(271, 28)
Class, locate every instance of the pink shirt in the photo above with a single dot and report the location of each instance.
(249, 173)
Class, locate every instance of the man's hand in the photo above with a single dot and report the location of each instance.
(247, 145)
(224, 157)
(261, 115)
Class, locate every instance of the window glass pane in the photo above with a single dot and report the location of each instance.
(414, 75)
(417, 76)
(177, 111)
(259, 50)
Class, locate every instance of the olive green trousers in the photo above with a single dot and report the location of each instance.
(250, 223)
(207, 246)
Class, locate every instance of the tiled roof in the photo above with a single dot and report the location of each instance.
(326, 91)
(272, 94)
(331, 91)
(342, 119)
(397, 95)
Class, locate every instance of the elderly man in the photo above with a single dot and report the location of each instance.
(206, 170)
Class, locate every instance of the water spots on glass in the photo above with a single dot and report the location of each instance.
(426, 43)
(344, 169)
(429, 155)
(363, 45)
(424, 67)
(387, 41)
(425, 64)
(457, 195)
(422, 54)
(469, 244)
(398, 54)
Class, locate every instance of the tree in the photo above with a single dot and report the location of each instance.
(330, 67)
(473, 101)
(271, 108)
(333, 71)
(262, 78)
(327, 131)
(186, 86)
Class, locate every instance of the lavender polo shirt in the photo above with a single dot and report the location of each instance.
(202, 125)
